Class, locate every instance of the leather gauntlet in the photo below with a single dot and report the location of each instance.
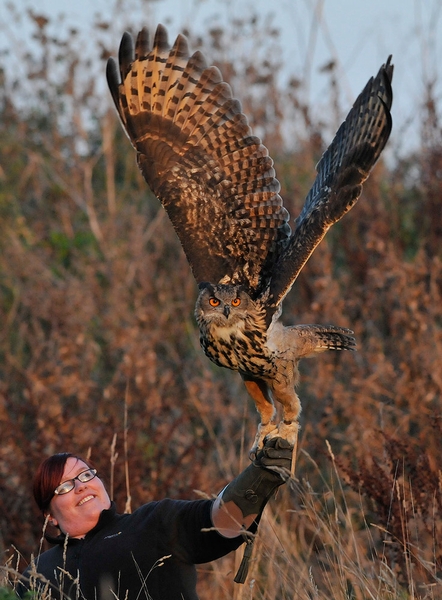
(253, 488)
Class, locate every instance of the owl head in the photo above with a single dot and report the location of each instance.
(222, 304)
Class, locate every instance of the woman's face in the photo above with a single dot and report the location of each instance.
(78, 511)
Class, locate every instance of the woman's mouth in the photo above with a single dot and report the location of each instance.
(85, 499)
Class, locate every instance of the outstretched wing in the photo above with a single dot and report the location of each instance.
(343, 168)
(198, 155)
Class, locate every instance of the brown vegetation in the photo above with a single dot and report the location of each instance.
(99, 352)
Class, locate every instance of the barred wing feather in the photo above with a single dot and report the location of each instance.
(343, 168)
(198, 155)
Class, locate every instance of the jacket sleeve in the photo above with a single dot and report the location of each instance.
(190, 533)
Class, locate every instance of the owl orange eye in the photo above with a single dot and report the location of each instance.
(214, 302)
(236, 302)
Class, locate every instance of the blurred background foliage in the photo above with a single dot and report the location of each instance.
(99, 352)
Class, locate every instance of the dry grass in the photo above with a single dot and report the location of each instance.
(96, 306)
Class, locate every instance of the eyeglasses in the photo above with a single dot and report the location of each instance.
(69, 484)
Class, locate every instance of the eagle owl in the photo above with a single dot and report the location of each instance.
(217, 183)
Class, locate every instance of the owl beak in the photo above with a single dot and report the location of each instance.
(226, 311)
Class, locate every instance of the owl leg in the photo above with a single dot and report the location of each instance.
(262, 397)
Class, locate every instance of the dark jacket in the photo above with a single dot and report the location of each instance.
(149, 554)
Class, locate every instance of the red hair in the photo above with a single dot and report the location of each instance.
(48, 477)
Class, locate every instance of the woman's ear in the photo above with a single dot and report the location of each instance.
(52, 520)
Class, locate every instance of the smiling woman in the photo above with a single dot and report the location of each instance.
(152, 552)
(74, 513)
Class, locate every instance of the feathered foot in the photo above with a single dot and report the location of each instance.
(269, 430)
(289, 432)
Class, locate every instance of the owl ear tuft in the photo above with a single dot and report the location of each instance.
(204, 285)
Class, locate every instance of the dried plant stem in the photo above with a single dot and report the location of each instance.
(113, 460)
(128, 506)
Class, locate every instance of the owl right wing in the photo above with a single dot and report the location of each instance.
(344, 166)
(198, 155)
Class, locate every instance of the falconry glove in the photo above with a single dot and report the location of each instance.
(253, 488)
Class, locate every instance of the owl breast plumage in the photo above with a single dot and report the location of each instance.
(233, 331)
(217, 183)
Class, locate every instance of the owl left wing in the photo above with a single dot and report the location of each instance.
(344, 166)
(198, 155)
